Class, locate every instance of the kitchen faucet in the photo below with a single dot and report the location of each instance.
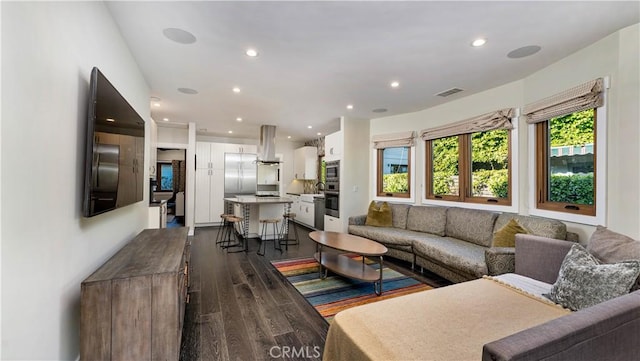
(319, 187)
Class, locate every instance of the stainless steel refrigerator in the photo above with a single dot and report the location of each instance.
(239, 174)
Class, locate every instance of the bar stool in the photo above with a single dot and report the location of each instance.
(287, 220)
(223, 227)
(230, 230)
(264, 233)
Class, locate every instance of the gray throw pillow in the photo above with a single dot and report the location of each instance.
(583, 282)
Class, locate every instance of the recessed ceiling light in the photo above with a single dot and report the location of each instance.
(318, 133)
(110, 120)
(179, 35)
(238, 119)
(395, 84)
(156, 104)
(188, 91)
(479, 42)
(231, 132)
(288, 137)
(523, 51)
(252, 53)
(350, 106)
(236, 90)
(308, 126)
(165, 119)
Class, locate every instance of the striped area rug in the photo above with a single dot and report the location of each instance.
(336, 293)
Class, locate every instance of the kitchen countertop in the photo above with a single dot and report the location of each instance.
(259, 200)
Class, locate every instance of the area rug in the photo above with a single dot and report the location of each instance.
(336, 293)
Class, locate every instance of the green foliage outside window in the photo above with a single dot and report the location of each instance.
(575, 189)
(395, 183)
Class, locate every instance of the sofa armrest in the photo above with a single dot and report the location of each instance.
(572, 237)
(358, 220)
(606, 331)
(540, 257)
(500, 260)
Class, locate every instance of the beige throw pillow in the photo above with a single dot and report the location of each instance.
(506, 236)
(379, 216)
(612, 247)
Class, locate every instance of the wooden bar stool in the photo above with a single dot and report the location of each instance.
(286, 223)
(223, 227)
(230, 230)
(265, 233)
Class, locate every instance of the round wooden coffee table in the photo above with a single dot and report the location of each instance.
(345, 266)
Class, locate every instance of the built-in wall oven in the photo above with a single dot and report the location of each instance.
(332, 189)
(332, 204)
(333, 171)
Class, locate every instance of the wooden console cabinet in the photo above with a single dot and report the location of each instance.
(132, 307)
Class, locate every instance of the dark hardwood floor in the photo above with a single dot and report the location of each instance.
(241, 308)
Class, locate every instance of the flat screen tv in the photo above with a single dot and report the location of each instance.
(114, 163)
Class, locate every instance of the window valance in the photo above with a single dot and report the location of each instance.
(500, 119)
(585, 96)
(402, 139)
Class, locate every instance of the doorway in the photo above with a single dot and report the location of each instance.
(171, 180)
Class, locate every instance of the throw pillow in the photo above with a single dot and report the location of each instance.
(506, 236)
(612, 247)
(583, 282)
(379, 216)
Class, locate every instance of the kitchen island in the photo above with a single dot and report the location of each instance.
(251, 209)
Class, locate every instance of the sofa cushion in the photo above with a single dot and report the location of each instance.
(470, 225)
(612, 247)
(427, 219)
(379, 215)
(388, 236)
(583, 282)
(399, 214)
(538, 226)
(454, 253)
(506, 236)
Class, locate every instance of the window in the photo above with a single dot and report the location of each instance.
(470, 167)
(165, 175)
(393, 164)
(569, 135)
(393, 178)
(468, 161)
(566, 163)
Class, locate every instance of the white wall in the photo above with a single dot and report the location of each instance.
(616, 56)
(48, 248)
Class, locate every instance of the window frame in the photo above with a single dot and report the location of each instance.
(159, 176)
(379, 174)
(542, 173)
(465, 174)
(412, 178)
(600, 155)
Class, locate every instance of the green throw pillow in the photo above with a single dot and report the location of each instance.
(379, 216)
(583, 282)
(506, 236)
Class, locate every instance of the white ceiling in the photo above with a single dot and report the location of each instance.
(317, 57)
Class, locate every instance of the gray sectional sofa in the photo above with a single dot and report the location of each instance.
(452, 242)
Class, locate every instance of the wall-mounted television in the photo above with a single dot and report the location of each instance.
(114, 163)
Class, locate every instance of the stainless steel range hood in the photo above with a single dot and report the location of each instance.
(267, 147)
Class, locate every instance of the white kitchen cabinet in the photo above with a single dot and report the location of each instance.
(333, 146)
(306, 213)
(305, 163)
(158, 215)
(333, 224)
(210, 155)
(241, 148)
(209, 195)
